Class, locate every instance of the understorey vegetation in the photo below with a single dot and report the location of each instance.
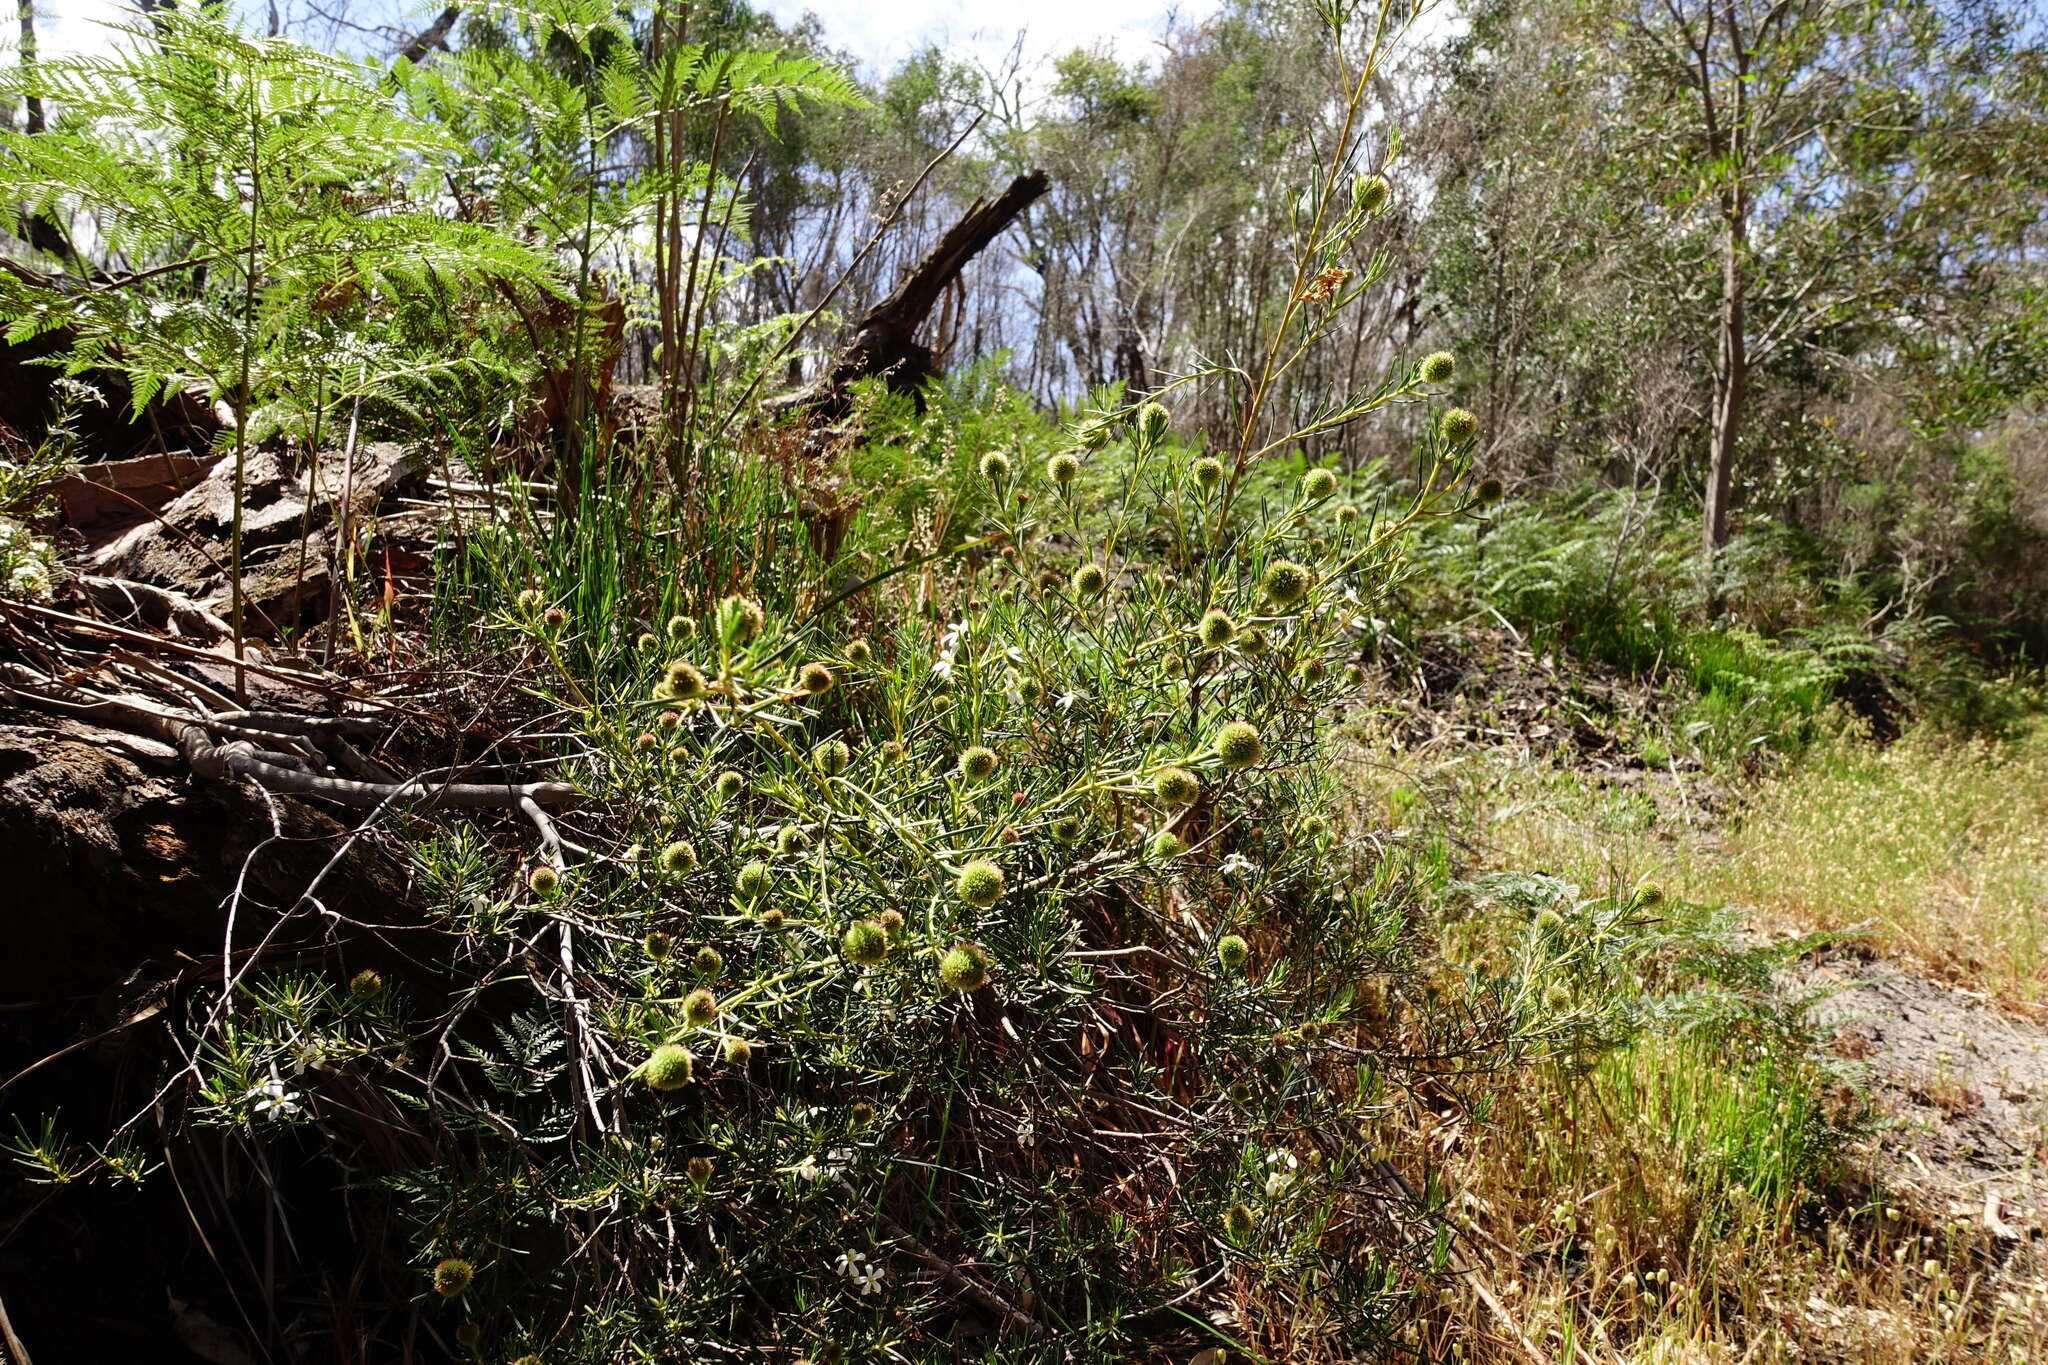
(601, 790)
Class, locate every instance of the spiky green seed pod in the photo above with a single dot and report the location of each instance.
(1089, 580)
(646, 641)
(469, 1334)
(1354, 676)
(669, 720)
(891, 922)
(1166, 844)
(1314, 671)
(770, 919)
(1093, 435)
(528, 602)
(366, 985)
(791, 839)
(1457, 426)
(1208, 471)
(1029, 689)
(681, 681)
(554, 618)
(864, 943)
(700, 1008)
(740, 619)
(751, 881)
(832, 756)
(730, 784)
(1063, 468)
(859, 651)
(1318, 484)
(646, 742)
(977, 763)
(1284, 583)
(544, 880)
(1369, 193)
(892, 752)
(682, 627)
(814, 678)
(1254, 643)
(1489, 492)
(699, 1170)
(678, 857)
(964, 968)
(709, 962)
(1312, 829)
(1649, 895)
(860, 1114)
(1216, 629)
(452, 1276)
(1239, 1222)
(995, 466)
(1437, 367)
(1176, 786)
(738, 1051)
(1347, 513)
(1238, 745)
(1231, 951)
(669, 1067)
(657, 945)
(1065, 829)
(980, 884)
(1153, 421)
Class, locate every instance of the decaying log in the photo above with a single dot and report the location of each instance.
(287, 535)
(884, 340)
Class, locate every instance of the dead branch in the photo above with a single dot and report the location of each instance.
(884, 340)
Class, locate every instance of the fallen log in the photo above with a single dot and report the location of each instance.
(884, 339)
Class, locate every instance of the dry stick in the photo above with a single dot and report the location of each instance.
(240, 760)
(17, 1353)
(343, 544)
(305, 680)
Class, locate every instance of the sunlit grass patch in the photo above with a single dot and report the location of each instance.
(1939, 848)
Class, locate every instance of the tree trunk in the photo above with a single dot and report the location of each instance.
(1731, 384)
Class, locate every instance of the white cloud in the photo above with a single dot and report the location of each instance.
(74, 26)
(880, 33)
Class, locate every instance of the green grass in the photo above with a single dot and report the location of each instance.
(1937, 849)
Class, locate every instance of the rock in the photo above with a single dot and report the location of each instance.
(287, 546)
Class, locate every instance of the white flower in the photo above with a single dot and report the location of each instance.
(1280, 1178)
(859, 1271)
(834, 1165)
(1239, 868)
(1065, 700)
(274, 1101)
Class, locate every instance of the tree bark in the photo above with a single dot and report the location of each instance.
(432, 36)
(884, 340)
(1731, 385)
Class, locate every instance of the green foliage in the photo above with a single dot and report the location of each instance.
(261, 198)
